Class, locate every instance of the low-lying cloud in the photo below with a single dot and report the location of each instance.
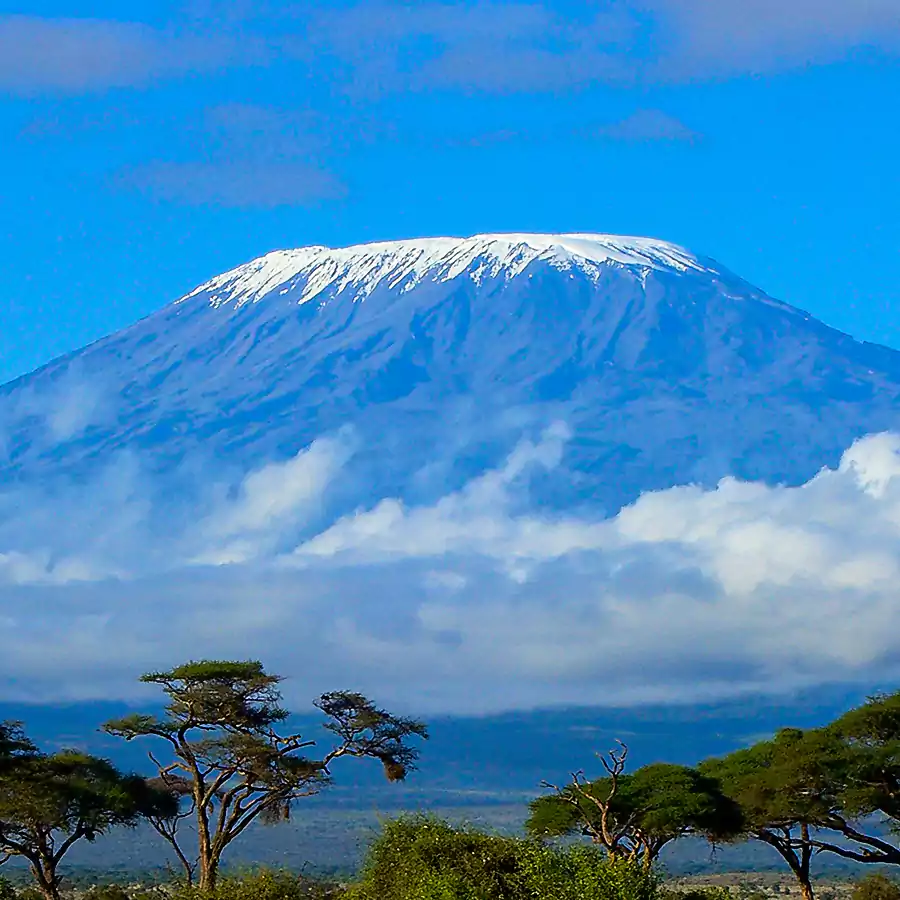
(59, 411)
(477, 602)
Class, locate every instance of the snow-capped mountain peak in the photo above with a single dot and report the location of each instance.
(404, 264)
(440, 353)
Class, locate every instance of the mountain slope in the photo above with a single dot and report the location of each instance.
(440, 353)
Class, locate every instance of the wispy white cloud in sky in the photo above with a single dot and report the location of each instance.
(505, 47)
(251, 183)
(724, 37)
(645, 125)
(79, 55)
(525, 46)
(485, 46)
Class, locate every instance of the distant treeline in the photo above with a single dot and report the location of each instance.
(223, 762)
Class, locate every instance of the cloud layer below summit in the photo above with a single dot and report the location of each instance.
(475, 602)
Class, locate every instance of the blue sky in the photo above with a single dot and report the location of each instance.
(148, 146)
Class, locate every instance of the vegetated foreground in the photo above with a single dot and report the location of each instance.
(223, 764)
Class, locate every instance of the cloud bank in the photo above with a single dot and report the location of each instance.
(477, 602)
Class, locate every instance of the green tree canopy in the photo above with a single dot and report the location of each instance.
(232, 766)
(15, 745)
(867, 810)
(48, 803)
(785, 788)
(635, 815)
(876, 886)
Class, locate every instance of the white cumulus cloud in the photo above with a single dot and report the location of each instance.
(479, 601)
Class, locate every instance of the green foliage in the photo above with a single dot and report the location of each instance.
(645, 810)
(262, 884)
(232, 695)
(71, 792)
(876, 886)
(583, 873)
(823, 789)
(105, 892)
(30, 893)
(366, 730)
(49, 803)
(870, 735)
(712, 892)
(424, 858)
(7, 891)
(15, 745)
(793, 779)
(228, 761)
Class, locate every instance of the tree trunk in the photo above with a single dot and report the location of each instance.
(44, 872)
(207, 857)
(805, 857)
(209, 874)
(799, 864)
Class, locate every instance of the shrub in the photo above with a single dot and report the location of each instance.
(263, 884)
(582, 873)
(105, 892)
(29, 893)
(7, 891)
(876, 886)
(712, 892)
(424, 858)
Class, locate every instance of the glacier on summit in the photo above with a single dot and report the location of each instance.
(403, 264)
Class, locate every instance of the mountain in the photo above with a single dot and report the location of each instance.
(438, 354)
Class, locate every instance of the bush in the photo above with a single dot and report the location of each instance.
(105, 892)
(7, 891)
(263, 884)
(423, 858)
(29, 893)
(712, 892)
(876, 886)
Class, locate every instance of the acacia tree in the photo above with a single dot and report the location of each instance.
(867, 789)
(634, 816)
(231, 766)
(49, 803)
(788, 790)
(15, 745)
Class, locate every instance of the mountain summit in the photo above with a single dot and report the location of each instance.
(439, 354)
(404, 264)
